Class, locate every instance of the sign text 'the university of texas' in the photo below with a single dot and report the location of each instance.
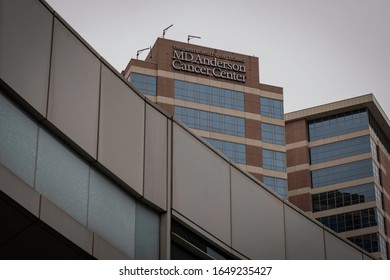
(208, 64)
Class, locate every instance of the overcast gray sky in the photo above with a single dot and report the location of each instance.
(318, 51)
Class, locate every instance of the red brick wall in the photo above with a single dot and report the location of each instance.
(254, 156)
(385, 181)
(258, 176)
(252, 129)
(252, 103)
(271, 88)
(296, 131)
(386, 164)
(298, 156)
(165, 87)
(302, 201)
(167, 107)
(299, 179)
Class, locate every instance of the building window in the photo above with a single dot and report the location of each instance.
(351, 220)
(341, 149)
(272, 108)
(342, 173)
(380, 220)
(210, 121)
(273, 134)
(379, 133)
(345, 197)
(376, 173)
(182, 236)
(382, 246)
(274, 160)
(234, 151)
(144, 83)
(369, 242)
(278, 185)
(338, 124)
(379, 197)
(214, 96)
(374, 149)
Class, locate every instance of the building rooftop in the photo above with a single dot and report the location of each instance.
(364, 101)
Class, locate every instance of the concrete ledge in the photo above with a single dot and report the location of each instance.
(66, 225)
(19, 191)
(104, 251)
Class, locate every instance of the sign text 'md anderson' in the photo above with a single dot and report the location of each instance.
(196, 63)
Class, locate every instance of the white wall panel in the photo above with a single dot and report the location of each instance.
(337, 249)
(201, 184)
(304, 238)
(156, 153)
(121, 131)
(25, 44)
(74, 89)
(257, 220)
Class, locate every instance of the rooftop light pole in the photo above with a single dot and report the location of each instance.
(140, 51)
(192, 37)
(165, 30)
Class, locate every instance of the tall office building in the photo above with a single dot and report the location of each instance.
(218, 94)
(338, 164)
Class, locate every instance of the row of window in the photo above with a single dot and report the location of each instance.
(227, 124)
(144, 83)
(338, 124)
(372, 242)
(178, 252)
(353, 220)
(274, 160)
(234, 151)
(343, 173)
(345, 197)
(278, 185)
(204, 94)
(379, 133)
(210, 121)
(341, 149)
(272, 108)
(273, 134)
(214, 96)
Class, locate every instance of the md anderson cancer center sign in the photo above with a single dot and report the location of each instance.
(208, 64)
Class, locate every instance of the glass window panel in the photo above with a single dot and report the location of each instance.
(342, 173)
(273, 134)
(18, 141)
(111, 213)
(338, 124)
(234, 151)
(276, 184)
(146, 84)
(274, 160)
(211, 121)
(351, 220)
(62, 177)
(341, 149)
(369, 242)
(271, 108)
(147, 233)
(209, 95)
